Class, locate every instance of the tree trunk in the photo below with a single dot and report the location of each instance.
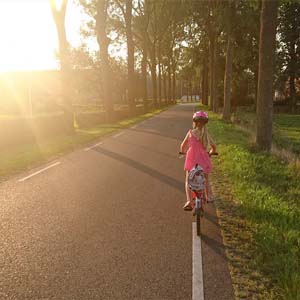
(153, 75)
(154, 85)
(159, 75)
(59, 19)
(202, 87)
(205, 80)
(266, 74)
(130, 56)
(187, 92)
(103, 42)
(292, 76)
(229, 60)
(227, 80)
(256, 87)
(211, 67)
(165, 85)
(144, 79)
(174, 81)
(215, 100)
(206, 87)
(169, 82)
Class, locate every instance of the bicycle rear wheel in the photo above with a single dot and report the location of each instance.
(198, 223)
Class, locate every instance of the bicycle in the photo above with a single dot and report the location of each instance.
(198, 192)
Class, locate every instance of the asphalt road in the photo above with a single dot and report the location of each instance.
(108, 223)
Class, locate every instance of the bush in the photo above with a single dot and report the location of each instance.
(16, 131)
(94, 118)
(90, 119)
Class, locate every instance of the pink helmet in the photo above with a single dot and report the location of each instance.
(200, 116)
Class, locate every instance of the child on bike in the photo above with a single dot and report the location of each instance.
(195, 145)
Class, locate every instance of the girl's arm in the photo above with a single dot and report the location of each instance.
(213, 147)
(184, 144)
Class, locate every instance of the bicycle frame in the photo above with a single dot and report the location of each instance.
(199, 198)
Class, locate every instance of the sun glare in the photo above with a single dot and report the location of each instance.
(58, 3)
(28, 34)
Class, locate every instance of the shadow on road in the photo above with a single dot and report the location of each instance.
(217, 247)
(137, 165)
(148, 149)
(176, 136)
(211, 218)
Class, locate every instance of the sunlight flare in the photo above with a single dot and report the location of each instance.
(28, 34)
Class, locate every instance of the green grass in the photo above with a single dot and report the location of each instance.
(16, 159)
(267, 195)
(286, 128)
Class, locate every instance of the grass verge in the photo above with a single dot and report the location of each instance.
(16, 159)
(286, 128)
(259, 209)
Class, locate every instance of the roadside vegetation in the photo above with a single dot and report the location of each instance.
(259, 209)
(21, 157)
(286, 128)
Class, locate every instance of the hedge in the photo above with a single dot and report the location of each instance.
(16, 131)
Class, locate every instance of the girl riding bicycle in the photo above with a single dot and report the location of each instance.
(195, 144)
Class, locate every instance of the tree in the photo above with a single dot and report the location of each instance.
(200, 12)
(214, 13)
(98, 25)
(130, 53)
(160, 38)
(245, 59)
(59, 15)
(126, 8)
(267, 47)
(289, 37)
(103, 41)
(140, 26)
(151, 37)
(205, 77)
(212, 41)
(229, 60)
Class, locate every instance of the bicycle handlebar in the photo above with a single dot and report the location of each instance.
(214, 153)
(210, 154)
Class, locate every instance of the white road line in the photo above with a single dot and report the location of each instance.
(118, 134)
(40, 171)
(89, 148)
(198, 291)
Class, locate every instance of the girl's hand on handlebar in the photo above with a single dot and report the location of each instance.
(210, 153)
(181, 154)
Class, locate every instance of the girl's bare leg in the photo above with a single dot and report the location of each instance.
(187, 189)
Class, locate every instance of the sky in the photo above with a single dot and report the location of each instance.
(28, 37)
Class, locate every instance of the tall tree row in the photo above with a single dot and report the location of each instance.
(289, 28)
(216, 49)
(59, 15)
(230, 14)
(103, 41)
